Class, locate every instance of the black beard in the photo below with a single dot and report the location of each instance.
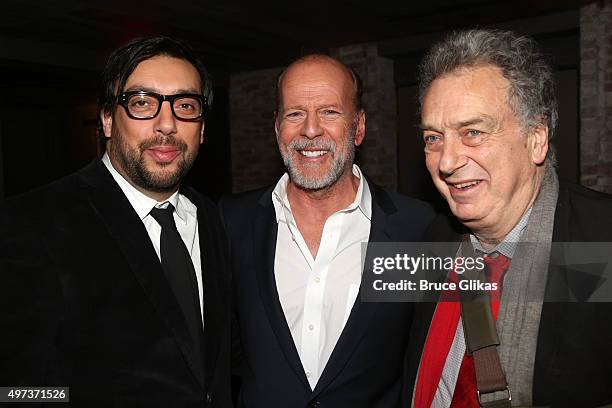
(132, 162)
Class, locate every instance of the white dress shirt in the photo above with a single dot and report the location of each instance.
(185, 217)
(317, 294)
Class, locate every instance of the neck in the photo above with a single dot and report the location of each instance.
(159, 197)
(322, 203)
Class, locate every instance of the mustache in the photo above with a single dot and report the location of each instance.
(163, 141)
(315, 144)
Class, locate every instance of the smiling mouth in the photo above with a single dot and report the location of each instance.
(313, 153)
(466, 185)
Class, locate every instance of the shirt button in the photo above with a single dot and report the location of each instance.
(310, 327)
(317, 279)
(308, 374)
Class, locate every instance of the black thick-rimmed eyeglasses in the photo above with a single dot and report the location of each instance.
(147, 105)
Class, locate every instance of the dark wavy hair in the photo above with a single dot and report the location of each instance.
(125, 59)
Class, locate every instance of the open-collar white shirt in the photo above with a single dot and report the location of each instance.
(317, 294)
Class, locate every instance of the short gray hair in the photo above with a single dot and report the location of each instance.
(532, 87)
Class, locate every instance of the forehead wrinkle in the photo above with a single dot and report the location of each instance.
(427, 126)
(302, 95)
(318, 73)
(448, 110)
(483, 118)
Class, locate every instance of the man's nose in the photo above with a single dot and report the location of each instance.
(312, 126)
(165, 120)
(452, 156)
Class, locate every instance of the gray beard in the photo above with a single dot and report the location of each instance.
(339, 161)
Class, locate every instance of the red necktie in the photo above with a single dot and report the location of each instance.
(440, 339)
(465, 388)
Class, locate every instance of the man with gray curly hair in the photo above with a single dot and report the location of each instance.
(488, 112)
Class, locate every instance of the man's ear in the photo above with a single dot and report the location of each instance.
(107, 123)
(276, 124)
(202, 132)
(360, 132)
(538, 144)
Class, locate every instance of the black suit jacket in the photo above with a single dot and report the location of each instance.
(85, 303)
(365, 368)
(573, 364)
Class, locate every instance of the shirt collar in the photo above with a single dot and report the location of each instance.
(142, 203)
(363, 196)
(509, 243)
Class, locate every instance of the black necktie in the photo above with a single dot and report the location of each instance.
(179, 270)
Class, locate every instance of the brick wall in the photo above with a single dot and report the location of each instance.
(256, 161)
(255, 158)
(596, 96)
(377, 156)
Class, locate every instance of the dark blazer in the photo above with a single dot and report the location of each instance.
(84, 302)
(365, 368)
(574, 349)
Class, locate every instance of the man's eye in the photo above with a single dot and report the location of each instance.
(140, 103)
(473, 137)
(429, 139)
(186, 107)
(331, 113)
(293, 115)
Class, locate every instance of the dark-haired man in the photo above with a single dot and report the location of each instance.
(488, 111)
(114, 280)
(308, 339)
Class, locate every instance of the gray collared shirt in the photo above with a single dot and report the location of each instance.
(508, 245)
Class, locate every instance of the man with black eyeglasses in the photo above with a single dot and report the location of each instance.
(114, 280)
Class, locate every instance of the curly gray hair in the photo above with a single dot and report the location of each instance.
(532, 87)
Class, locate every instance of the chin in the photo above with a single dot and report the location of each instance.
(304, 174)
(153, 165)
(464, 213)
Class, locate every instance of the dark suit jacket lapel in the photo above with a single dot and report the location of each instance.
(563, 283)
(128, 231)
(362, 312)
(554, 313)
(264, 233)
